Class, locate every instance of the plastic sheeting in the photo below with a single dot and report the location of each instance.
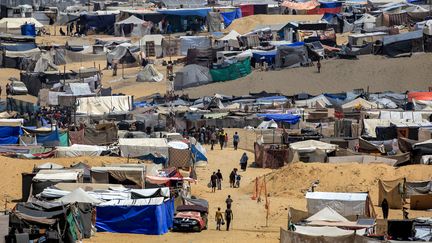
(149, 74)
(10, 135)
(144, 219)
(233, 71)
(291, 56)
(189, 42)
(346, 204)
(229, 17)
(77, 150)
(104, 105)
(192, 75)
(301, 5)
(202, 12)
(135, 147)
(287, 118)
(49, 139)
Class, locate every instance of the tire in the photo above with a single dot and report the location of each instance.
(197, 229)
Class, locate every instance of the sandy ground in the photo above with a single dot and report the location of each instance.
(376, 72)
(286, 188)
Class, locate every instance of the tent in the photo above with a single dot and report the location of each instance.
(345, 204)
(13, 25)
(10, 134)
(79, 196)
(403, 44)
(319, 101)
(392, 191)
(95, 24)
(367, 21)
(76, 150)
(291, 56)
(201, 12)
(286, 118)
(312, 145)
(190, 42)
(231, 39)
(46, 178)
(327, 214)
(132, 175)
(149, 74)
(268, 125)
(236, 70)
(104, 105)
(192, 75)
(156, 40)
(132, 26)
(151, 216)
(135, 147)
(121, 55)
(359, 103)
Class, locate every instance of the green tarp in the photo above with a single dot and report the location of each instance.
(234, 71)
(64, 139)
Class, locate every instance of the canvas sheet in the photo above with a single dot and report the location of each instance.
(294, 237)
(190, 42)
(136, 147)
(104, 105)
(76, 137)
(106, 136)
(291, 56)
(77, 150)
(392, 191)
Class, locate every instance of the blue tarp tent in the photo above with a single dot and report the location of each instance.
(28, 29)
(202, 12)
(49, 139)
(150, 216)
(10, 135)
(268, 56)
(99, 23)
(197, 154)
(229, 17)
(287, 118)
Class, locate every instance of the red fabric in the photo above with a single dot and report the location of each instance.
(247, 10)
(324, 10)
(419, 96)
(45, 155)
(76, 137)
(301, 6)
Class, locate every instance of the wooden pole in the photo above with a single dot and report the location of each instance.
(267, 204)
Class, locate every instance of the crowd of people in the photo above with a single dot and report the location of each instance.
(213, 136)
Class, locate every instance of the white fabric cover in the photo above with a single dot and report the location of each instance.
(135, 147)
(15, 23)
(80, 150)
(49, 165)
(80, 196)
(178, 145)
(360, 102)
(319, 101)
(104, 105)
(325, 231)
(190, 42)
(312, 145)
(346, 204)
(267, 125)
(60, 176)
(327, 214)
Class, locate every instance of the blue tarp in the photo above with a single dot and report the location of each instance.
(197, 154)
(145, 219)
(202, 12)
(287, 118)
(269, 56)
(10, 135)
(336, 96)
(49, 139)
(18, 46)
(155, 159)
(28, 29)
(330, 4)
(229, 17)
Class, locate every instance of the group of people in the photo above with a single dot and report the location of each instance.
(212, 136)
(228, 215)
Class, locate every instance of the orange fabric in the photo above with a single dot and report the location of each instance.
(301, 6)
(419, 96)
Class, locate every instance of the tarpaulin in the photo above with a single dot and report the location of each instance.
(99, 23)
(419, 96)
(233, 71)
(49, 139)
(301, 6)
(229, 17)
(146, 219)
(197, 154)
(327, 7)
(105, 136)
(288, 118)
(202, 12)
(64, 139)
(77, 137)
(10, 135)
(154, 158)
(18, 46)
(247, 10)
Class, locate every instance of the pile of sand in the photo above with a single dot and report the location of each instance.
(294, 179)
(249, 23)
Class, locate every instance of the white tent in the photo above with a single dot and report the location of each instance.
(80, 150)
(327, 214)
(13, 25)
(192, 75)
(103, 105)
(268, 125)
(135, 147)
(49, 165)
(149, 74)
(368, 21)
(346, 204)
(359, 103)
(132, 26)
(312, 145)
(231, 38)
(319, 101)
(80, 196)
(156, 39)
(325, 231)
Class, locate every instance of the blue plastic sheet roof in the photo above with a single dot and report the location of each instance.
(202, 12)
(287, 118)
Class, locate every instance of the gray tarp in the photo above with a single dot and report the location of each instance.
(291, 56)
(149, 74)
(214, 21)
(192, 75)
(187, 42)
(121, 54)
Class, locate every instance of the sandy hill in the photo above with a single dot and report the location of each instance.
(376, 72)
(249, 23)
(294, 179)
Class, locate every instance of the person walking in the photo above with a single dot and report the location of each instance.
(219, 219)
(237, 180)
(236, 140)
(243, 161)
(385, 208)
(319, 66)
(213, 181)
(232, 177)
(228, 218)
(219, 180)
(226, 139)
(228, 201)
(213, 139)
(221, 138)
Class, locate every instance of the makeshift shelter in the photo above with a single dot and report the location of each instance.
(367, 21)
(132, 26)
(192, 75)
(79, 196)
(95, 24)
(393, 192)
(76, 150)
(149, 74)
(231, 39)
(103, 105)
(319, 101)
(152, 44)
(9, 133)
(283, 118)
(346, 204)
(268, 125)
(190, 42)
(46, 178)
(133, 175)
(358, 104)
(151, 216)
(180, 156)
(322, 234)
(136, 147)
(403, 44)
(236, 70)
(270, 155)
(291, 56)
(13, 25)
(122, 55)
